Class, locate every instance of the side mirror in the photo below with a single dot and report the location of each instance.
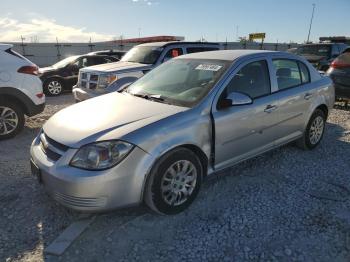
(235, 99)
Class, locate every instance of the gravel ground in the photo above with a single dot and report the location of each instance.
(286, 205)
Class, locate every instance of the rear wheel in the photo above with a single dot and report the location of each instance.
(11, 119)
(53, 87)
(174, 182)
(314, 131)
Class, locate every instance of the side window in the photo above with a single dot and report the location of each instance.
(81, 62)
(287, 73)
(172, 53)
(305, 74)
(98, 60)
(191, 50)
(252, 80)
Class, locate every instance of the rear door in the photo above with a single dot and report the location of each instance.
(295, 94)
(245, 130)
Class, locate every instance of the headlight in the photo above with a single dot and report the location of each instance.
(106, 80)
(101, 155)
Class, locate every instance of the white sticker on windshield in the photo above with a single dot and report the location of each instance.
(208, 67)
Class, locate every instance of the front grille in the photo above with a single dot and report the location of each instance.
(53, 149)
(94, 78)
(92, 85)
(88, 80)
(79, 201)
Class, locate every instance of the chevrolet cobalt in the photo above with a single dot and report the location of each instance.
(155, 141)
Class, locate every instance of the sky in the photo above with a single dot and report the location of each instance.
(214, 20)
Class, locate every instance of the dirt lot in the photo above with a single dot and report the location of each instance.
(286, 205)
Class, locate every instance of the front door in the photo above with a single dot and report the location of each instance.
(245, 130)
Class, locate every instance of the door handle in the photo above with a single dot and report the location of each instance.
(270, 108)
(307, 96)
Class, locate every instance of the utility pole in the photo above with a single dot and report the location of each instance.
(23, 50)
(139, 32)
(58, 50)
(312, 17)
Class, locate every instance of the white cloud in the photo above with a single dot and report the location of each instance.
(46, 30)
(147, 2)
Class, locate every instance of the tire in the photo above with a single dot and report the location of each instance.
(308, 142)
(53, 87)
(162, 184)
(11, 119)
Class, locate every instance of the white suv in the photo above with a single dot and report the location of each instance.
(21, 91)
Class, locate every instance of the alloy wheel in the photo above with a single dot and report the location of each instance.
(54, 87)
(316, 130)
(178, 182)
(8, 120)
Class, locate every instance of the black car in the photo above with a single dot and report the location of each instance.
(339, 71)
(64, 74)
(321, 55)
(115, 53)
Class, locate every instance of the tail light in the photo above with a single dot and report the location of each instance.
(339, 64)
(40, 95)
(30, 70)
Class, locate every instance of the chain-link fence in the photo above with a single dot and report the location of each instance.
(44, 54)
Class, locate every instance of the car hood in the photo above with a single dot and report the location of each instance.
(46, 69)
(98, 118)
(117, 66)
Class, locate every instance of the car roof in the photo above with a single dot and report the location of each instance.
(5, 46)
(229, 55)
(163, 44)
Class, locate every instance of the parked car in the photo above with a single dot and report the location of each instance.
(64, 74)
(115, 53)
(21, 91)
(339, 71)
(97, 80)
(189, 118)
(321, 55)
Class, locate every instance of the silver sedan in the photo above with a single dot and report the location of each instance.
(155, 141)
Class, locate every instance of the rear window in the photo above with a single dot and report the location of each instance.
(191, 50)
(314, 50)
(287, 73)
(14, 53)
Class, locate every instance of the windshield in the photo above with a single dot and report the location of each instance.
(65, 62)
(143, 55)
(182, 82)
(319, 50)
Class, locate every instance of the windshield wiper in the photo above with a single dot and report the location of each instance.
(152, 97)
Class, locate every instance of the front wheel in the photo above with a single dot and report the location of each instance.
(314, 131)
(53, 87)
(174, 182)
